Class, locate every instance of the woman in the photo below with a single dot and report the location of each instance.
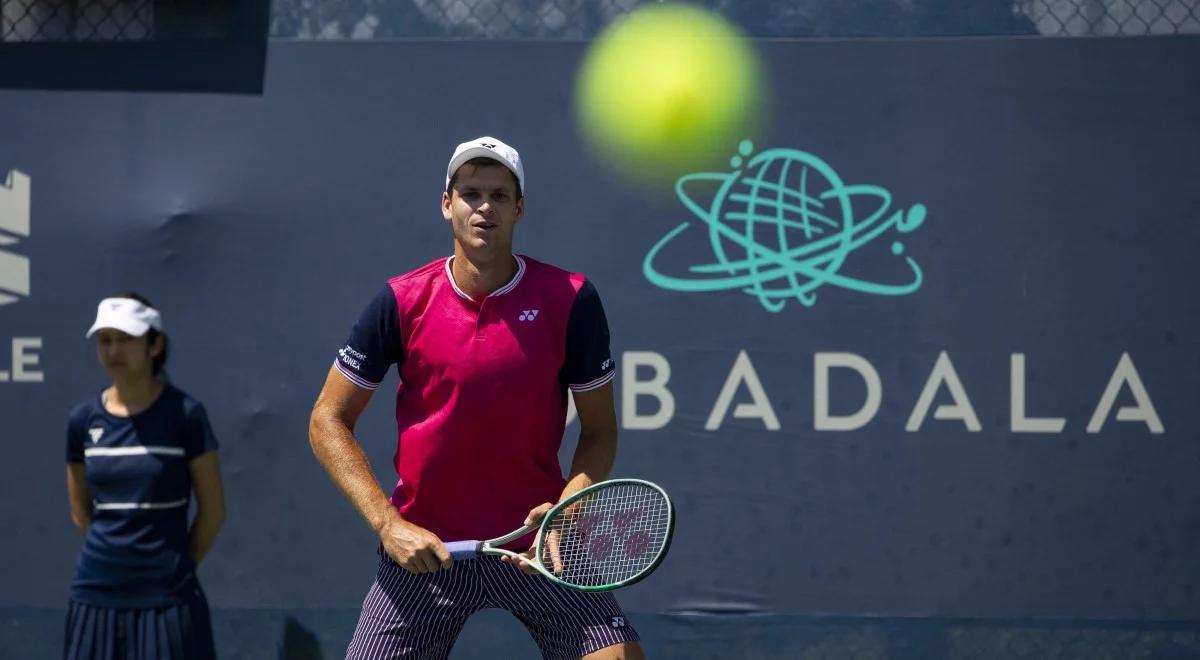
(135, 454)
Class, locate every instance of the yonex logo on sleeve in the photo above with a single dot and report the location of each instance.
(352, 357)
(96, 433)
(14, 221)
(528, 315)
(618, 622)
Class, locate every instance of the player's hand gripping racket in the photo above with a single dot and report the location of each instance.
(608, 535)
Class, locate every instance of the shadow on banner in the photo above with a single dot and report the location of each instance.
(215, 46)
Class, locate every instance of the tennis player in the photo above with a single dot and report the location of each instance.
(136, 454)
(486, 343)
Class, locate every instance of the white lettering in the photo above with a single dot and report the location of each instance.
(22, 359)
(743, 371)
(822, 419)
(1020, 423)
(943, 372)
(656, 375)
(1144, 410)
(656, 387)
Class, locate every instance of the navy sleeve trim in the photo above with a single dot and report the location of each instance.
(351, 376)
(589, 364)
(595, 384)
(374, 344)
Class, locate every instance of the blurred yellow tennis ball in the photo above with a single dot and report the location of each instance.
(667, 89)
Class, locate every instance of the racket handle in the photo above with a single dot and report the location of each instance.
(460, 550)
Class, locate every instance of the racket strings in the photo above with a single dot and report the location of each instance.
(608, 536)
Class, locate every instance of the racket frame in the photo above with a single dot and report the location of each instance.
(463, 549)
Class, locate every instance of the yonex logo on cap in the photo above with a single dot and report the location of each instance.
(486, 147)
(14, 220)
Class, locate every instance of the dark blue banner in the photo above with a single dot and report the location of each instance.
(924, 348)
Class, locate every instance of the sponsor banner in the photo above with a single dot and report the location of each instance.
(923, 347)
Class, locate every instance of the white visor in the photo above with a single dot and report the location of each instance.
(487, 147)
(127, 315)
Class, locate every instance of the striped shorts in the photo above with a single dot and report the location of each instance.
(419, 616)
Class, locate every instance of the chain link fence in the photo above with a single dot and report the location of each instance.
(1112, 17)
(582, 19)
(116, 20)
(76, 20)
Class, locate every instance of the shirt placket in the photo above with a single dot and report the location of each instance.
(481, 318)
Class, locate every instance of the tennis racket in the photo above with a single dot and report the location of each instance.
(608, 535)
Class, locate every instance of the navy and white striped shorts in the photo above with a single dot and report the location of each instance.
(419, 616)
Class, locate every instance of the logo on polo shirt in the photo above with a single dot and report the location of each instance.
(352, 357)
(528, 315)
(618, 622)
(96, 433)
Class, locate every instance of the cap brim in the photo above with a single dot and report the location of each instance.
(128, 326)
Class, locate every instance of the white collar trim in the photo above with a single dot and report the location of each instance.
(512, 284)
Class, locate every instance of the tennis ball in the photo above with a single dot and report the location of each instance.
(668, 89)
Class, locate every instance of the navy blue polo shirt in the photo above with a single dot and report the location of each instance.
(136, 551)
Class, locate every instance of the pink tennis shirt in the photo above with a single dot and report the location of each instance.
(482, 402)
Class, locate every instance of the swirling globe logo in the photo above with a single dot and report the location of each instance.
(781, 225)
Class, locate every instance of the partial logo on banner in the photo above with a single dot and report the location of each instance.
(782, 224)
(14, 225)
(14, 279)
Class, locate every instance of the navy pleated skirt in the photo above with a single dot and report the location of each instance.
(174, 632)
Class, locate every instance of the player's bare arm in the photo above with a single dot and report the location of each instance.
(597, 447)
(594, 455)
(205, 471)
(331, 435)
(79, 496)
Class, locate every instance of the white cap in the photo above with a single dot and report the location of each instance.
(127, 315)
(487, 147)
